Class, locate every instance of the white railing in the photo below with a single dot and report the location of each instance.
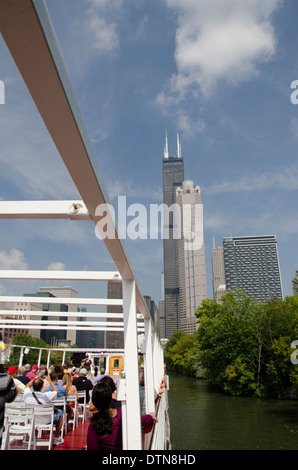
(129, 322)
(159, 437)
(28, 22)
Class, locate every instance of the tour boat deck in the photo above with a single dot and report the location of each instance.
(75, 439)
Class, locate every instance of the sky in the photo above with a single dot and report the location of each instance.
(217, 72)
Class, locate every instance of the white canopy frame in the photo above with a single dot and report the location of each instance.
(28, 33)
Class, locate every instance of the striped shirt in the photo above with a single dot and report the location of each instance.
(8, 392)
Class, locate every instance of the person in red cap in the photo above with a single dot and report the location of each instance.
(13, 372)
(31, 374)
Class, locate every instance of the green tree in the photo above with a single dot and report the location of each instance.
(282, 329)
(239, 380)
(245, 346)
(182, 353)
(32, 357)
(175, 338)
(242, 346)
(224, 336)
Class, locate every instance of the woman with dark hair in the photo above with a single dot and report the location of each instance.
(105, 429)
(110, 382)
(114, 403)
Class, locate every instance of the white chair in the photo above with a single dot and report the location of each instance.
(19, 398)
(82, 407)
(61, 403)
(44, 422)
(19, 424)
(17, 404)
(73, 398)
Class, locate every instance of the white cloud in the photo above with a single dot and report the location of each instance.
(101, 22)
(188, 126)
(13, 259)
(106, 3)
(282, 178)
(56, 266)
(220, 40)
(284, 227)
(105, 37)
(127, 188)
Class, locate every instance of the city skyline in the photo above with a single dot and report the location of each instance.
(173, 175)
(191, 255)
(141, 69)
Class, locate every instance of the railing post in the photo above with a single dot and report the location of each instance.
(21, 356)
(148, 369)
(160, 361)
(133, 414)
(121, 396)
(39, 357)
(156, 378)
(48, 360)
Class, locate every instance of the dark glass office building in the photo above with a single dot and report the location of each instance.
(173, 175)
(50, 336)
(252, 264)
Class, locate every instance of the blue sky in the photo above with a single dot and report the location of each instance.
(218, 72)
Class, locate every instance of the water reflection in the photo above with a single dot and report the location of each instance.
(204, 419)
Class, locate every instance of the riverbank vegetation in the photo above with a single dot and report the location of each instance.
(242, 346)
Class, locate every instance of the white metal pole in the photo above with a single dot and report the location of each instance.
(155, 361)
(148, 369)
(48, 359)
(39, 357)
(133, 414)
(21, 356)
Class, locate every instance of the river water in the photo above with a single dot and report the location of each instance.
(201, 418)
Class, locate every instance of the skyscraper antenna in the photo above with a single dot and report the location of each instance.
(178, 147)
(166, 149)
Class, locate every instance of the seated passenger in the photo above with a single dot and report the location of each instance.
(114, 403)
(105, 428)
(82, 383)
(36, 396)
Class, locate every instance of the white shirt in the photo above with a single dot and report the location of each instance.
(45, 398)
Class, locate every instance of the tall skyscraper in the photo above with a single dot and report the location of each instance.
(252, 264)
(218, 272)
(173, 175)
(191, 255)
